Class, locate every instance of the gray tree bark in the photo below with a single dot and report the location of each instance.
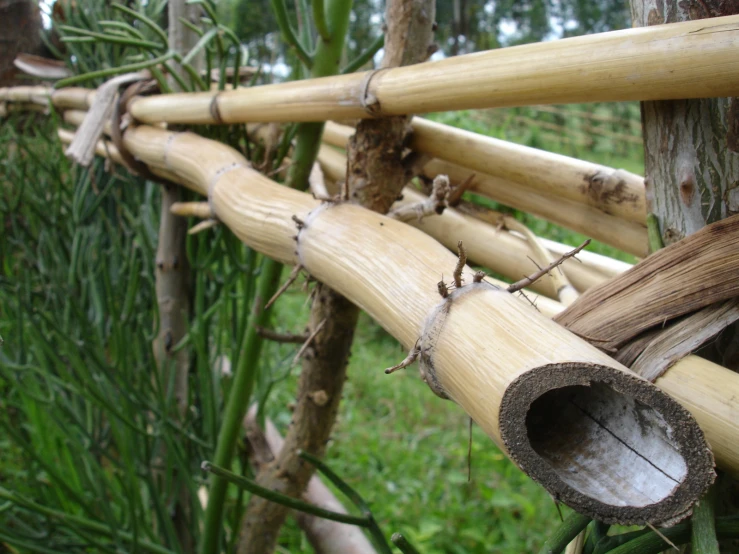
(692, 168)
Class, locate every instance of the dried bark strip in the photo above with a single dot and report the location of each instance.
(688, 275)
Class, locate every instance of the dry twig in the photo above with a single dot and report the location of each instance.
(290, 280)
(308, 341)
(408, 360)
(460, 264)
(525, 282)
(434, 204)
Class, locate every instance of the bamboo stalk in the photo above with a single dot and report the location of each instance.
(624, 235)
(615, 231)
(493, 248)
(613, 191)
(652, 63)
(509, 386)
(709, 391)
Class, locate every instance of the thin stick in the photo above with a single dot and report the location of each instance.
(662, 536)
(308, 341)
(528, 280)
(192, 209)
(461, 261)
(202, 226)
(408, 360)
(290, 280)
(274, 336)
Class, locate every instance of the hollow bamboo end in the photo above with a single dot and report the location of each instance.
(606, 443)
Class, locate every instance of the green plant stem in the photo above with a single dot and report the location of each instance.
(278, 6)
(238, 401)
(403, 545)
(135, 42)
(69, 81)
(328, 53)
(354, 496)
(703, 528)
(73, 520)
(289, 501)
(565, 533)
(319, 18)
(365, 56)
(652, 543)
(145, 20)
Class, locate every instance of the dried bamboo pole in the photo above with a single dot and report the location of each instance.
(613, 191)
(493, 248)
(483, 355)
(624, 235)
(617, 66)
(707, 390)
(578, 216)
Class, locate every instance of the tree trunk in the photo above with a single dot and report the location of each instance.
(173, 282)
(374, 180)
(692, 164)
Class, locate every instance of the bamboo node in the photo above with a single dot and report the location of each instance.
(367, 100)
(215, 110)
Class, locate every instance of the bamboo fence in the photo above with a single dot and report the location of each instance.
(477, 345)
(588, 198)
(486, 245)
(598, 437)
(495, 249)
(648, 63)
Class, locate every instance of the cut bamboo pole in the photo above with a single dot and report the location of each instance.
(33, 95)
(624, 235)
(523, 379)
(707, 390)
(581, 217)
(710, 392)
(651, 63)
(493, 248)
(613, 191)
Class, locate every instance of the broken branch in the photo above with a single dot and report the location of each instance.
(525, 282)
(434, 204)
(290, 280)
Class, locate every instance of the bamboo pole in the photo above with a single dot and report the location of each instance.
(707, 390)
(653, 63)
(493, 248)
(613, 191)
(500, 360)
(624, 235)
(572, 214)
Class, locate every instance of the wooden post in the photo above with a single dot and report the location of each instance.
(692, 164)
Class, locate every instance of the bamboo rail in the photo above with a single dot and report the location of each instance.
(649, 63)
(613, 191)
(578, 195)
(707, 390)
(497, 250)
(493, 248)
(510, 391)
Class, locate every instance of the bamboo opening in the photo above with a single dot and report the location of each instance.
(589, 433)
(600, 444)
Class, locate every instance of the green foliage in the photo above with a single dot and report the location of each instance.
(84, 417)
